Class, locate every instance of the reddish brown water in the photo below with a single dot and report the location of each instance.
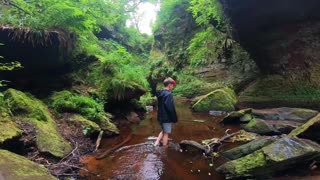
(149, 162)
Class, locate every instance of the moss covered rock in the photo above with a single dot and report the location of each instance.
(261, 127)
(272, 158)
(234, 117)
(29, 109)
(66, 101)
(248, 148)
(88, 127)
(221, 100)
(309, 130)
(16, 167)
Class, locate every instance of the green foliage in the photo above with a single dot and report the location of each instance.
(203, 11)
(147, 100)
(207, 47)
(65, 101)
(166, 15)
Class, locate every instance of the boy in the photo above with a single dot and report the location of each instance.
(166, 111)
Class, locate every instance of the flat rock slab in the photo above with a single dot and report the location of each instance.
(309, 130)
(248, 148)
(280, 155)
(15, 167)
(285, 113)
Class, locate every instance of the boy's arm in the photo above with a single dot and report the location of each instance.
(170, 108)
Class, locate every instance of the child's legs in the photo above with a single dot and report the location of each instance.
(165, 139)
(166, 129)
(159, 138)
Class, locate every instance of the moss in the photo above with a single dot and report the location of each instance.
(246, 118)
(220, 99)
(187, 83)
(16, 167)
(259, 126)
(243, 167)
(89, 127)
(234, 117)
(8, 129)
(303, 128)
(281, 88)
(34, 111)
(65, 101)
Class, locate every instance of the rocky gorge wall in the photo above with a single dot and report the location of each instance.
(283, 39)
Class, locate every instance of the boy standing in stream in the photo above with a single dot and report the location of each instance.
(166, 111)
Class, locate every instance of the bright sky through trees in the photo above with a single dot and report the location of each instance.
(144, 17)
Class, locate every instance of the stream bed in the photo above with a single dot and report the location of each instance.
(144, 161)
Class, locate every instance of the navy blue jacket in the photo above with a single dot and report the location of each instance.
(166, 110)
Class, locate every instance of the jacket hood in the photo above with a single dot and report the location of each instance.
(162, 93)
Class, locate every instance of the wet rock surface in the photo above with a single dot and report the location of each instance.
(280, 155)
(285, 113)
(248, 148)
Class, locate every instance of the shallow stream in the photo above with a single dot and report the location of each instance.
(144, 161)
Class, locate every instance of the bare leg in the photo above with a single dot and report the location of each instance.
(165, 139)
(158, 139)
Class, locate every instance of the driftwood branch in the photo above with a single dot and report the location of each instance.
(107, 152)
(211, 145)
(98, 140)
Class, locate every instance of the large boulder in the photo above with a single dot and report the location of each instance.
(221, 100)
(13, 166)
(285, 113)
(248, 148)
(29, 109)
(278, 156)
(309, 130)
